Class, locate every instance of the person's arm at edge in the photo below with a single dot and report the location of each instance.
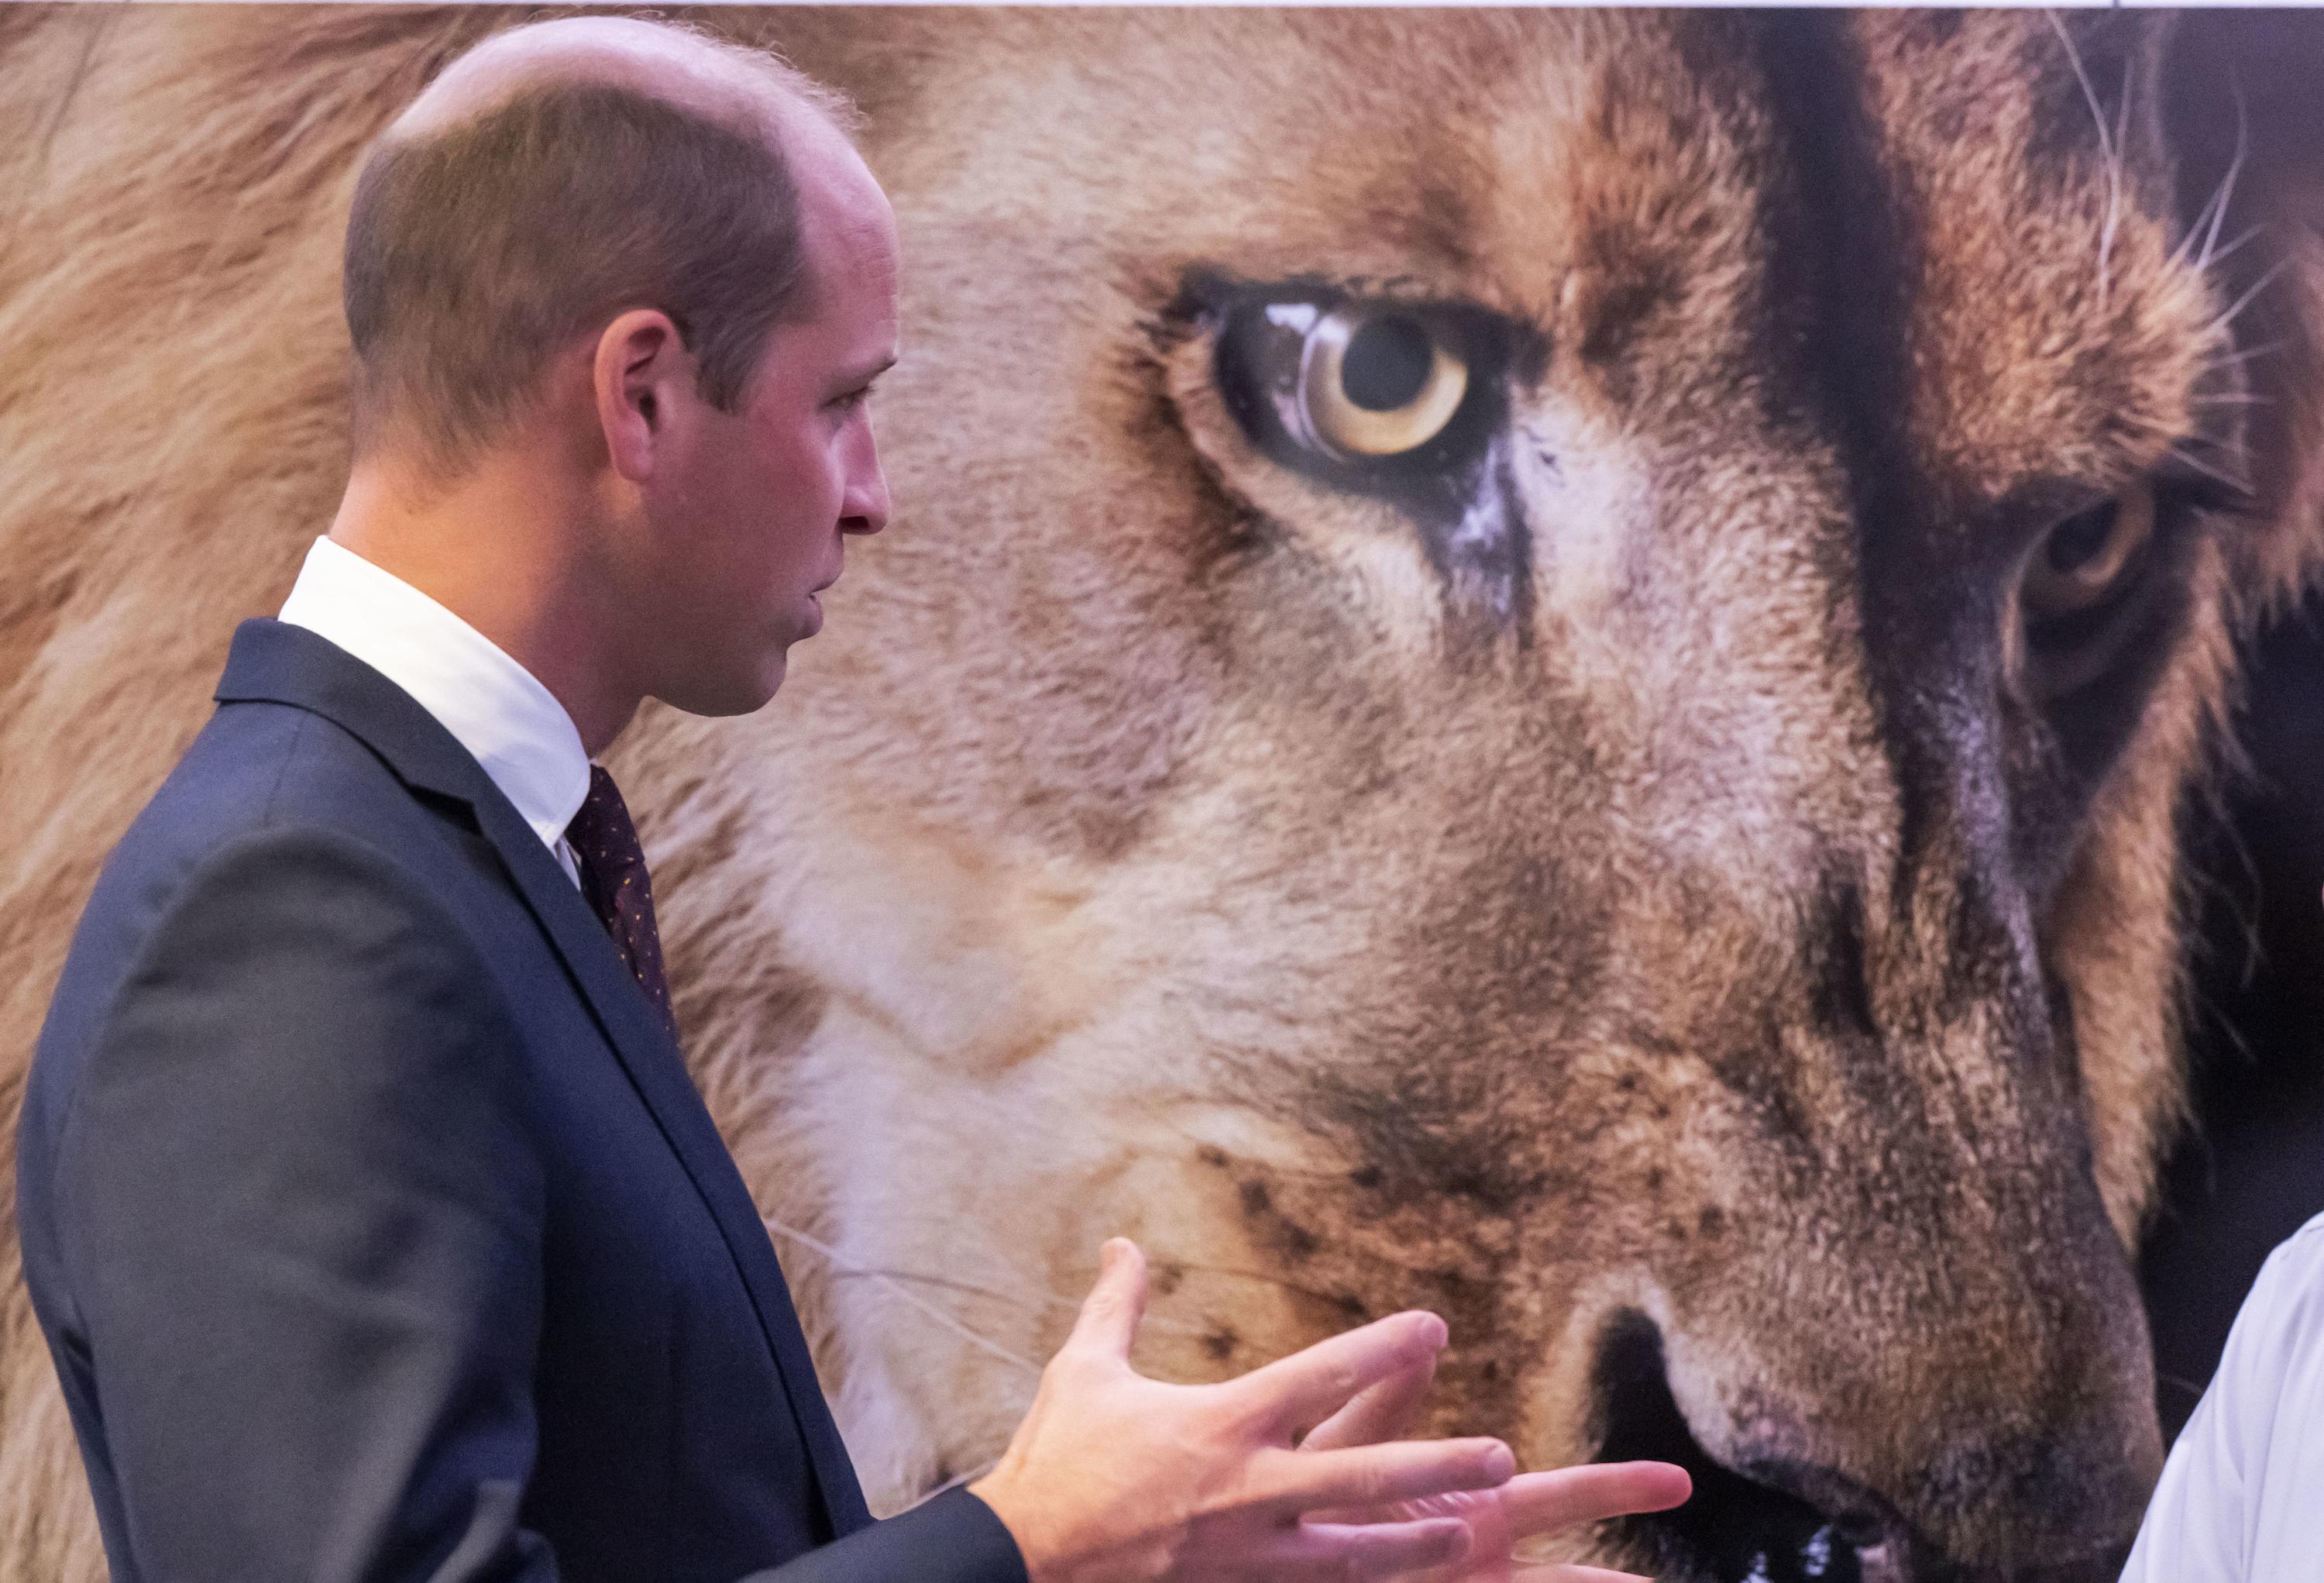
(2197, 1527)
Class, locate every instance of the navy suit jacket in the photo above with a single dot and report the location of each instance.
(374, 1226)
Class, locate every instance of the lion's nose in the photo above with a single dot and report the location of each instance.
(1766, 1513)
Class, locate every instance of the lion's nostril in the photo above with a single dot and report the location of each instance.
(1735, 1530)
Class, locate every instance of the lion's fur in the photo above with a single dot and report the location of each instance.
(1154, 845)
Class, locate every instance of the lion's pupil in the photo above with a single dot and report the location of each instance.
(2077, 542)
(1387, 364)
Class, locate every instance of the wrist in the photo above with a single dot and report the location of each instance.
(998, 1491)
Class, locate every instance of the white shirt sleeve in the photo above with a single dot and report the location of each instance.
(2242, 1496)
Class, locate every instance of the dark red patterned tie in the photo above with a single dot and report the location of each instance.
(614, 879)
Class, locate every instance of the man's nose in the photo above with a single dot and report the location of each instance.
(865, 508)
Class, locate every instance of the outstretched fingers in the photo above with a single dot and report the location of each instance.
(1365, 1477)
(1385, 1410)
(1326, 1550)
(1567, 1497)
(1293, 1394)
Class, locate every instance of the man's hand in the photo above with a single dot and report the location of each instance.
(1116, 1478)
(1532, 1505)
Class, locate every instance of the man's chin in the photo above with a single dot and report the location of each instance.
(732, 696)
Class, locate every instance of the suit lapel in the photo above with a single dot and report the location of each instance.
(290, 665)
(660, 1075)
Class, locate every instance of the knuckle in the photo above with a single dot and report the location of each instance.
(1230, 1414)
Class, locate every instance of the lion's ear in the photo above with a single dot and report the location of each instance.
(2239, 101)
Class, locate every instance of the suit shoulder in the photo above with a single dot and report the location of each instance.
(259, 763)
(270, 898)
(261, 769)
(273, 811)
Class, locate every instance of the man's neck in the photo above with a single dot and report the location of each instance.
(499, 550)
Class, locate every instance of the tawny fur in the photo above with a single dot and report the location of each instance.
(1154, 845)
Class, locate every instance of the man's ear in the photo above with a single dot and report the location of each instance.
(2240, 104)
(640, 363)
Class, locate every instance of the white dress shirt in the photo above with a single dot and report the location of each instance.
(497, 709)
(2241, 1496)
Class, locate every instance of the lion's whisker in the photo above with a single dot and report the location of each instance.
(2240, 485)
(2267, 278)
(2233, 246)
(903, 1292)
(1259, 1276)
(2246, 355)
(2106, 150)
(1047, 1300)
(2216, 207)
(2202, 228)
(841, 1271)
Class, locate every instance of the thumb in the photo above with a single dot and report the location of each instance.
(1111, 1313)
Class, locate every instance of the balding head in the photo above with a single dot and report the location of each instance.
(677, 65)
(559, 174)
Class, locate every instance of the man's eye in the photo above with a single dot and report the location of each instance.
(1354, 389)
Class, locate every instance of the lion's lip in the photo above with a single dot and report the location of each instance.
(1740, 1527)
(1735, 1529)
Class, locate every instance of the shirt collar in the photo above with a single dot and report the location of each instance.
(498, 710)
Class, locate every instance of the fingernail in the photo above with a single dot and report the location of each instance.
(1500, 1463)
(1432, 1332)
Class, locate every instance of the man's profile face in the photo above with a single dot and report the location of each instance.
(762, 499)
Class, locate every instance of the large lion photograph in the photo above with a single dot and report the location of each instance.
(1577, 668)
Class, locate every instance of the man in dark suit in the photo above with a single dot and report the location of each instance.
(373, 1224)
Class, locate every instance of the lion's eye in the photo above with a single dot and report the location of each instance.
(2083, 558)
(1377, 383)
(1351, 388)
(2085, 586)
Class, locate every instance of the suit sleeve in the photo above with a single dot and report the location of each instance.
(302, 1218)
(954, 1537)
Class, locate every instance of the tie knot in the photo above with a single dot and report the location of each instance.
(602, 834)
